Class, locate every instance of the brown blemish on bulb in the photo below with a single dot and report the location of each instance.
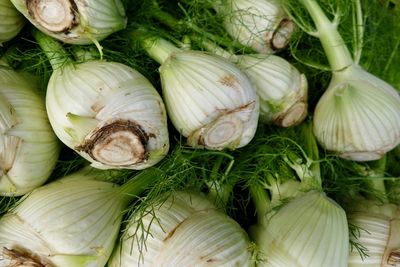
(23, 259)
(394, 258)
(120, 143)
(229, 80)
(37, 8)
(172, 232)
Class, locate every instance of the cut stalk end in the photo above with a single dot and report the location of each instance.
(294, 116)
(283, 34)
(55, 16)
(224, 132)
(120, 143)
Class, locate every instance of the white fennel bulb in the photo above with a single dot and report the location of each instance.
(308, 231)
(281, 88)
(184, 230)
(75, 21)
(11, 21)
(261, 25)
(29, 148)
(208, 99)
(358, 116)
(73, 221)
(109, 113)
(378, 233)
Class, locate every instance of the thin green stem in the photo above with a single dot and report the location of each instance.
(220, 188)
(184, 25)
(311, 149)
(139, 183)
(261, 201)
(338, 54)
(358, 31)
(53, 50)
(392, 56)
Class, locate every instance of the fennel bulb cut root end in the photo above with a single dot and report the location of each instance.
(378, 232)
(261, 25)
(74, 21)
(109, 113)
(209, 100)
(358, 116)
(28, 146)
(282, 89)
(11, 21)
(309, 231)
(184, 230)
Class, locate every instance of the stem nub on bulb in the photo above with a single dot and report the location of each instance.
(54, 15)
(282, 34)
(120, 143)
(295, 115)
(225, 131)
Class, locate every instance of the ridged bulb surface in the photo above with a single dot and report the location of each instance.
(11, 21)
(309, 231)
(281, 88)
(358, 117)
(209, 100)
(71, 222)
(185, 230)
(29, 148)
(74, 21)
(378, 233)
(261, 25)
(109, 113)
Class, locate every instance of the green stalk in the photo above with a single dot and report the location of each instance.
(139, 183)
(311, 149)
(214, 48)
(359, 31)
(158, 48)
(261, 201)
(219, 188)
(338, 54)
(375, 180)
(182, 25)
(53, 50)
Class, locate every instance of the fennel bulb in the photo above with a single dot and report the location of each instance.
(298, 225)
(358, 116)
(28, 146)
(261, 25)
(107, 112)
(73, 221)
(184, 230)
(281, 88)
(209, 100)
(378, 233)
(308, 231)
(11, 21)
(75, 21)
